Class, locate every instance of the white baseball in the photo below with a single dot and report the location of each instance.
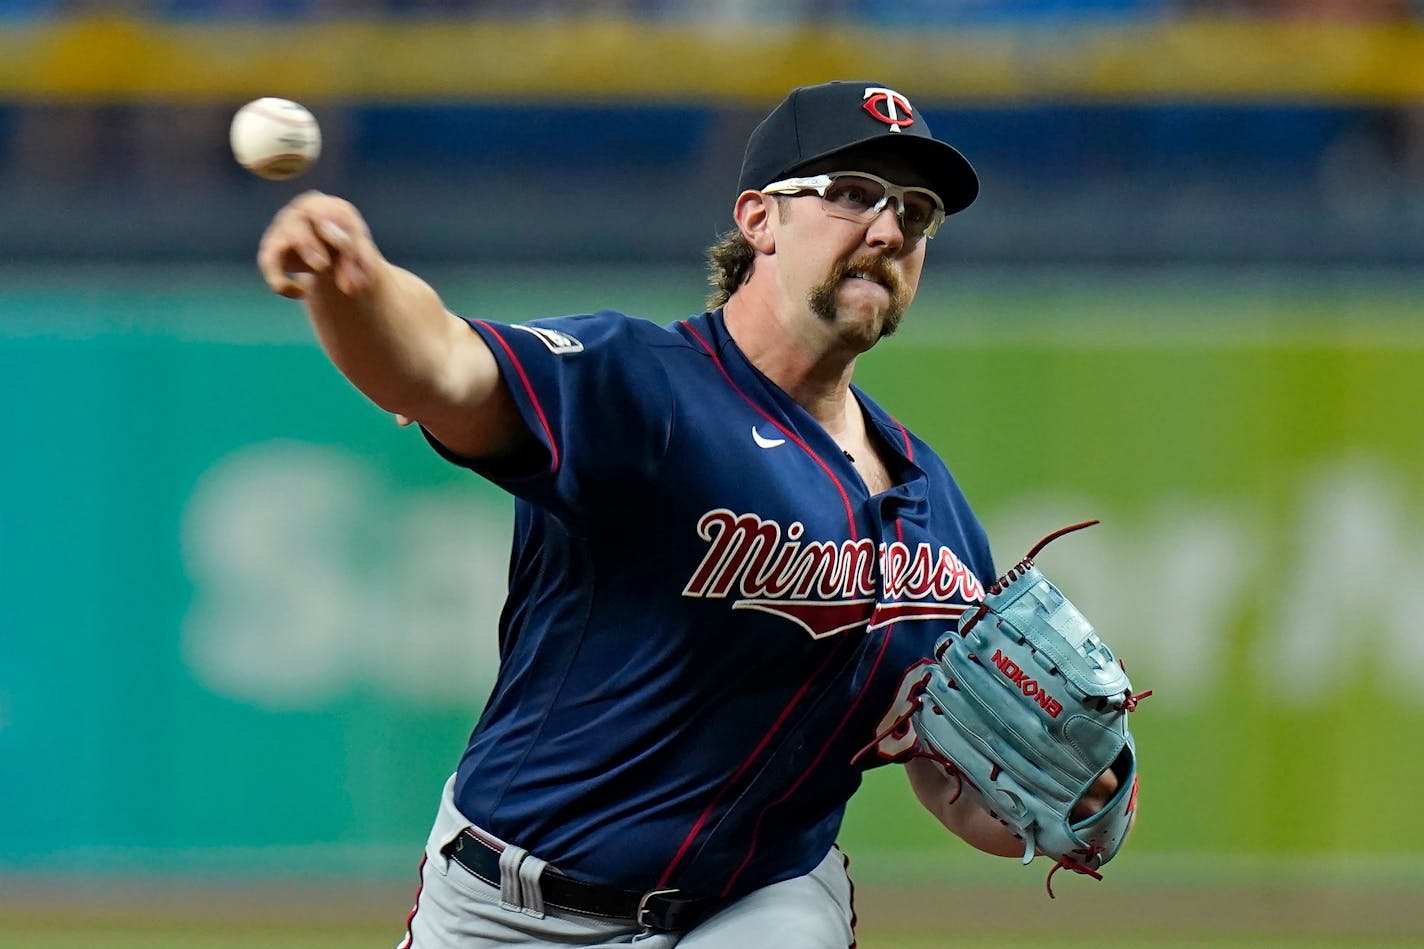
(275, 138)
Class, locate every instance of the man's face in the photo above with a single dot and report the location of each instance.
(857, 279)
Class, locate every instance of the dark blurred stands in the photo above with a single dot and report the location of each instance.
(1216, 179)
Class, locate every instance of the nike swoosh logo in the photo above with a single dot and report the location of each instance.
(763, 442)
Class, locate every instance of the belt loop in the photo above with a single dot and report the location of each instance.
(530, 890)
(511, 892)
(653, 910)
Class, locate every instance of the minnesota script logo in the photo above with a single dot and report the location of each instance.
(826, 587)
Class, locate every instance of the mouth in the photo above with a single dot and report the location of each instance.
(868, 277)
(826, 300)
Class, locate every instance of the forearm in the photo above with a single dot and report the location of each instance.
(387, 330)
(394, 340)
(960, 810)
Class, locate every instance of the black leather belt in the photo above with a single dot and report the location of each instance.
(668, 910)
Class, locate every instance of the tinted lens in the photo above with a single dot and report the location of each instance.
(854, 194)
(860, 198)
(919, 213)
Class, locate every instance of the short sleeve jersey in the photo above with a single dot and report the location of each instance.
(710, 619)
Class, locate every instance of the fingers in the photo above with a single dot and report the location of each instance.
(318, 235)
(354, 255)
(1097, 796)
(333, 232)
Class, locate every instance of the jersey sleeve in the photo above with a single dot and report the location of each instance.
(596, 396)
(981, 557)
(976, 551)
(977, 555)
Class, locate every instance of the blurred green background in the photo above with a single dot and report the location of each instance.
(247, 621)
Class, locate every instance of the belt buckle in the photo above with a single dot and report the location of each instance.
(658, 917)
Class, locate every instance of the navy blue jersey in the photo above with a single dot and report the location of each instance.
(708, 614)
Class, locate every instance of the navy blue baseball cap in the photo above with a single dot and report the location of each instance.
(819, 122)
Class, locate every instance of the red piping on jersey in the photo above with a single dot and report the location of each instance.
(409, 939)
(909, 449)
(805, 686)
(761, 746)
(835, 733)
(840, 488)
(884, 644)
(845, 860)
(529, 390)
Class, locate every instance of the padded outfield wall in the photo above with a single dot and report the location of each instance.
(248, 621)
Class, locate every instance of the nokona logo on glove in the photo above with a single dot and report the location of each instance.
(1029, 687)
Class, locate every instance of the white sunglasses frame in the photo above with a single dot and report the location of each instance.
(818, 184)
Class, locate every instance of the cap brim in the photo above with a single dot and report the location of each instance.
(947, 173)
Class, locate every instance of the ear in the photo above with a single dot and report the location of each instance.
(753, 214)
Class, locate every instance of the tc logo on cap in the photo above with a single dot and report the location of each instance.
(889, 107)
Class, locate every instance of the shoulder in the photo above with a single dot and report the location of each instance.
(599, 341)
(602, 328)
(608, 344)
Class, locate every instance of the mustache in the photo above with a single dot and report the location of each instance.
(876, 268)
(823, 299)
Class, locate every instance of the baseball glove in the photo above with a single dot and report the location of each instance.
(1026, 705)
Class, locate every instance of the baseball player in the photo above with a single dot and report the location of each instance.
(728, 562)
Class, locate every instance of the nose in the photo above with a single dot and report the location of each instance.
(885, 230)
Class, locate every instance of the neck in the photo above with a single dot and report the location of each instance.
(806, 364)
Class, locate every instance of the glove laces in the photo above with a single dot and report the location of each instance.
(1089, 853)
(1129, 704)
(913, 704)
(920, 748)
(1018, 570)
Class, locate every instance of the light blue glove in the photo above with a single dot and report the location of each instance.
(1026, 704)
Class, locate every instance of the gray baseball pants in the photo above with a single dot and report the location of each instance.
(455, 909)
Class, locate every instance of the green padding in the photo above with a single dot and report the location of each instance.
(247, 618)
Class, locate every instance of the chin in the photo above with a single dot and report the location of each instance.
(864, 329)
(877, 322)
(856, 316)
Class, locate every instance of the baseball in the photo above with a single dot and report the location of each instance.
(275, 138)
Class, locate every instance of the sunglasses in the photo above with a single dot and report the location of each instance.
(859, 196)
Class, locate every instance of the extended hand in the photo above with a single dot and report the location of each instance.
(318, 237)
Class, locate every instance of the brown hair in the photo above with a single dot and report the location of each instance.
(729, 264)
